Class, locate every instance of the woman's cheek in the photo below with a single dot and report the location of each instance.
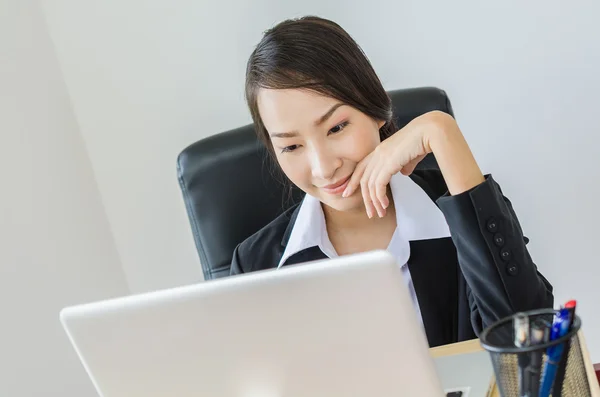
(359, 144)
(292, 170)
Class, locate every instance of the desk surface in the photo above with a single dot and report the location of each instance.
(473, 346)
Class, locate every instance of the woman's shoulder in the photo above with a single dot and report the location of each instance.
(264, 249)
(271, 233)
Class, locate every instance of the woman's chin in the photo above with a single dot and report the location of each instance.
(342, 204)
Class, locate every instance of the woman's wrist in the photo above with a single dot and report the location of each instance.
(454, 157)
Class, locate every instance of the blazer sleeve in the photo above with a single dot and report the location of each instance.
(492, 254)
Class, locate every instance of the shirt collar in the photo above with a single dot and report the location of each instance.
(417, 217)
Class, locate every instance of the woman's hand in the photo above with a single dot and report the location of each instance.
(434, 132)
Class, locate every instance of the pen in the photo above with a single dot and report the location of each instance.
(571, 306)
(562, 366)
(560, 327)
(521, 331)
(538, 335)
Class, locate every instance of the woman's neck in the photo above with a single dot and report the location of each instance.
(357, 219)
(352, 231)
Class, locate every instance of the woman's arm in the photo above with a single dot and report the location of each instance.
(491, 248)
(494, 260)
(492, 254)
(452, 153)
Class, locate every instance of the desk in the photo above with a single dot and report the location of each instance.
(473, 346)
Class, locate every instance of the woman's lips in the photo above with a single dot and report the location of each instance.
(338, 187)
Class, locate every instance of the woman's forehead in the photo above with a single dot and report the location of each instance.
(290, 109)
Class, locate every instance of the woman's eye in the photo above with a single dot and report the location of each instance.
(288, 149)
(338, 127)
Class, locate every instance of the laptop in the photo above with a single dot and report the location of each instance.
(335, 327)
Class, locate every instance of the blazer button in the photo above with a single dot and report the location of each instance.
(492, 226)
(505, 254)
(498, 239)
(512, 269)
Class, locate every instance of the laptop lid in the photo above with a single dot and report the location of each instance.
(336, 327)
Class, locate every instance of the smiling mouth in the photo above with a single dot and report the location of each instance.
(338, 187)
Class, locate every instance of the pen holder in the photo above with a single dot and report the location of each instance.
(513, 364)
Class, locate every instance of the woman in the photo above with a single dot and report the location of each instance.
(322, 112)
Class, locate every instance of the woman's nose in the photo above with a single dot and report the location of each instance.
(324, 164)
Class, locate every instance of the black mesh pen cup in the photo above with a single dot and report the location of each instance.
(521, 371)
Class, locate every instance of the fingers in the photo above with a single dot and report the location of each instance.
(378, 183)
(356, 177)
(373, 177)
(374, 186)
(381, 182)
(366, 192)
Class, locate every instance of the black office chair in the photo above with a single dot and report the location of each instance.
(232, 188)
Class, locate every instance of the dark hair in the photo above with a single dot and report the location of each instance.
(316, 54)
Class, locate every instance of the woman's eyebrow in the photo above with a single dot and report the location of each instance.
(290, 134)
(329, 113)
(321, 120)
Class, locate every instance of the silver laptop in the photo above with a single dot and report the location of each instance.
(338, 327)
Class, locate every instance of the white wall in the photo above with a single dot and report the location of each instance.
(148, 78)
(55, 244)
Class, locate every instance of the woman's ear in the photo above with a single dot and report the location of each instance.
(381, 123)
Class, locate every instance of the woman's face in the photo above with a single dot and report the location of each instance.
(318, 142)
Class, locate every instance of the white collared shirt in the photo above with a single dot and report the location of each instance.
(417, 218)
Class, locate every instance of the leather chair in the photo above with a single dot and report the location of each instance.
(232, 188)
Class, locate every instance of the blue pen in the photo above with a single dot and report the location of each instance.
(560, 327)
(562, 367)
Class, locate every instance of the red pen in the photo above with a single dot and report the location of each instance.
(571, 306)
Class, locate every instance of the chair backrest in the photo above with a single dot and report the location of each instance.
(232, 188)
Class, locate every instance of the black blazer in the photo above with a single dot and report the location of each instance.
(464, 283)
